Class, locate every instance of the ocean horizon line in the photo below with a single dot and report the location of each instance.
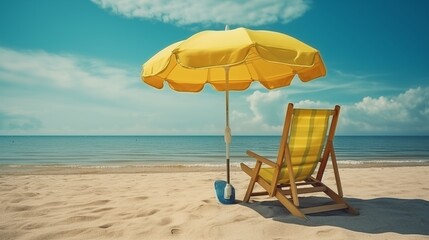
(190, 135)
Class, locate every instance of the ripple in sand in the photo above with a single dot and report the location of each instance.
(165, 221)
(81, 218)
(19, 208)
(30, 194)
(150, 213)
(140, 198)
(102, 210)
(106, 225)
(325, 232)
(32, 226)
(94, 203)
(17, 200)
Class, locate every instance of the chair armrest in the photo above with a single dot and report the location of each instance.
(261, 159)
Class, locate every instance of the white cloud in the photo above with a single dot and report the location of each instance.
(382, 107)
(312, 104)
(189, 12)
(41, 69)
(259, 102)
(45, 93)
(405, 113)
(263, 114)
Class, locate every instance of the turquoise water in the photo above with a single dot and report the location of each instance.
(192, 150)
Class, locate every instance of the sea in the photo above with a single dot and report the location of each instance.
(194, 150)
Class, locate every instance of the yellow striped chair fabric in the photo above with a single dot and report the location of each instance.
(306, 141)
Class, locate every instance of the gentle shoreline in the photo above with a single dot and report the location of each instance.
(27, 169)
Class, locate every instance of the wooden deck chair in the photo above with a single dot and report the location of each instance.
(306, 144)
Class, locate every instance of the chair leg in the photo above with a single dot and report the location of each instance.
(253, 173)
(339, 199)
(351, 210)
(336, 172)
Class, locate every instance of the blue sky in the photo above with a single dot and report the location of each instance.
(73, 67)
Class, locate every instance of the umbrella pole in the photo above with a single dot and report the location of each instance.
(228, 191)
(227, 128)
(225, 192)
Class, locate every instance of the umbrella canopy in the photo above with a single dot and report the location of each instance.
(232, 60)
(271, 58)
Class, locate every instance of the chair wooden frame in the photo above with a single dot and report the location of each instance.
(294, 188)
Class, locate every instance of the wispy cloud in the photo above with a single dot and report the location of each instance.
(18, 122)
(58, 93)
(40, 69)
(46, 93)
(354, 76)
(189, 12)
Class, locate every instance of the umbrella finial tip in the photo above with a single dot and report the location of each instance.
(226, 27)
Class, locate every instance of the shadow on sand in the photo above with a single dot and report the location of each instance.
(379, 215)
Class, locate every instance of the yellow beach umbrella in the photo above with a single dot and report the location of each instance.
(232, 60)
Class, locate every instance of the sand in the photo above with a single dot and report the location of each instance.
(179, 203)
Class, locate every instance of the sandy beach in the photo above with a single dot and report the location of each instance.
(179, 203)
